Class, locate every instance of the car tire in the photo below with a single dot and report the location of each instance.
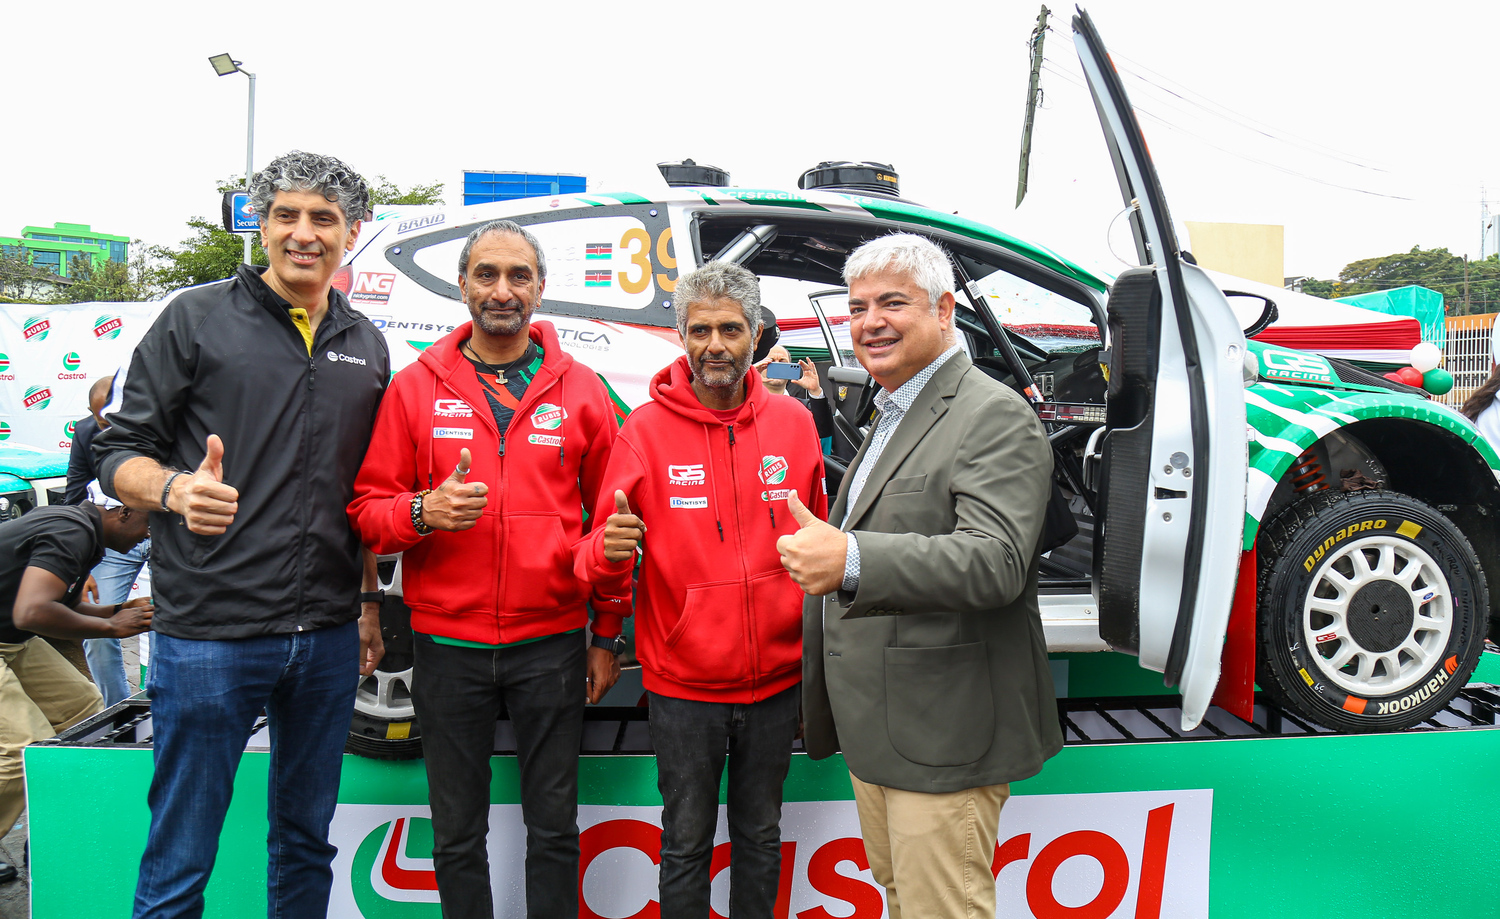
(384, 725)
(1372, 609)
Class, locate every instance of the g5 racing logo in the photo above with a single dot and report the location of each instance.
(452, 408)
(392, 873)
(37, 398)
(1291, 365)
(686, 475)
(35, 328)
(773, 469)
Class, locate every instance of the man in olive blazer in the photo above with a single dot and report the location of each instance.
(925, 662)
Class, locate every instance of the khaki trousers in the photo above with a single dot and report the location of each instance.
(932, 852)
(40, 694)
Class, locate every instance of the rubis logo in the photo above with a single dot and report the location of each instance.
(107, 327)
(35, 328)
(773, 469)
(548, 417)
(37, 398)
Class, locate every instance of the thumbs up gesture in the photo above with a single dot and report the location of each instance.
(623, 531)
(814, 555)
(456, 504)
(205, 503)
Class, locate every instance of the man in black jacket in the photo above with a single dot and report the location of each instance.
(246, 412)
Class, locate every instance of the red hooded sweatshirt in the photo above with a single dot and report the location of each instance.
(719, 619)
(510, 577)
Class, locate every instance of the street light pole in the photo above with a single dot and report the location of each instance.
(224, 65)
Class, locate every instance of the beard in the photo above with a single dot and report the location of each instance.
(715, 378)
(506, 326)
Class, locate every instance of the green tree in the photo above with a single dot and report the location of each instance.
(211, 254)
(384, 191)
(108, 281)
(22, 281)
(1468, 287)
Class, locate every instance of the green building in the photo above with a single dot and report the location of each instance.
(54, 247)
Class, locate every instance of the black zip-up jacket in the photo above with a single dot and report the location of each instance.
(227, 359)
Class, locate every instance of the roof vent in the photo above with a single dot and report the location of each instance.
(689, 173)
(865, 178)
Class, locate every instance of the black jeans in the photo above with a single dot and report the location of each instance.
(457, 693)
(691, 740)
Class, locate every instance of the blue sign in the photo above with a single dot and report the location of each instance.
(245, 220)
(238, 217)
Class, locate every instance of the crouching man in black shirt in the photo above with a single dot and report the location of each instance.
(45, 557)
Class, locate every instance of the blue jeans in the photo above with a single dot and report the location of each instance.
(692, 740)
(114, 574)
(205, 697)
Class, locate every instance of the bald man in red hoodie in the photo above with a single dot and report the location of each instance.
(714, 467)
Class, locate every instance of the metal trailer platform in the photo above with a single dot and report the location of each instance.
(1134, 819)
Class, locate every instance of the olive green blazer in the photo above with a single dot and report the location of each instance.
(933, 675)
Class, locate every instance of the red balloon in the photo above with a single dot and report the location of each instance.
(1411, 376)
(1393, 376)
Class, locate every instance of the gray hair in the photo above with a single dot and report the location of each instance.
(915, 256)
(718, 280)
(299, 171)
(505, 228)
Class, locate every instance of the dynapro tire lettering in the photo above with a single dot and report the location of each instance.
(1343, 534)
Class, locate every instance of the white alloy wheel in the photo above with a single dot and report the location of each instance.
(1377, 616)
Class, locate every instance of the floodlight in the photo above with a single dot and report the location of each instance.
(224, 65)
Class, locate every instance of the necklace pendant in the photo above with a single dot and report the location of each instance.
(500, 378)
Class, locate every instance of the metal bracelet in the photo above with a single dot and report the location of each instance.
(166, 490)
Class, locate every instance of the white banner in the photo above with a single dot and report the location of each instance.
(1128, 855)
(50, 355)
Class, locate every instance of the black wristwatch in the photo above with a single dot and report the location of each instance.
(612, 645)
(371, 596)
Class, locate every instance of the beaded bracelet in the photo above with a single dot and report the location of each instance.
(416, 513)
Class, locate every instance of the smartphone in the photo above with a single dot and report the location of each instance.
(781, 370)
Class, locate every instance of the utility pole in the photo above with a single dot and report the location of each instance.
(1466, 286)
(1033, 91)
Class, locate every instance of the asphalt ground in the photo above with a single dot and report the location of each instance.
(15, 896)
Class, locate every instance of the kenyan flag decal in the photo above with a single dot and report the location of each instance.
(596, 277)
(773, 469)
(107, 327)
(37, 398)
(548, 417)
(35, 328)
(71, 361)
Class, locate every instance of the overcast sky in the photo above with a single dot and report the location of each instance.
(1364, 129)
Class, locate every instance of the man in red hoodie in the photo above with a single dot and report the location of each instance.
(485, 452)
(709, 465)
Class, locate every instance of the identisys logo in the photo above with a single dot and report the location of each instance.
(37, 398)
(107, 327)
(35, 328)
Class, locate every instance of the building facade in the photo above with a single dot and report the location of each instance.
(54, 248)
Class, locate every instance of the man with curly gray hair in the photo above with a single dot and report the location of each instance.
(246, 412)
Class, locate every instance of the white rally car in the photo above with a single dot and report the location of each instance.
(1206, 522)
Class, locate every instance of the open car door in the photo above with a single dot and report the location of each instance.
(1172, 480)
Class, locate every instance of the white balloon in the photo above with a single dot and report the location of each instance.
(1426, 356)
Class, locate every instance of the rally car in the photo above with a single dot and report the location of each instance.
(1228, 511)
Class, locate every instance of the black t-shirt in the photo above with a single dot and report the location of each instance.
(67, 541)
(505, 398)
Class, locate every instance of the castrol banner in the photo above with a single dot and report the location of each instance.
(1124, 855)
(49, 356)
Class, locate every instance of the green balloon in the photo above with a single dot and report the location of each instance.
(1437, 381)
